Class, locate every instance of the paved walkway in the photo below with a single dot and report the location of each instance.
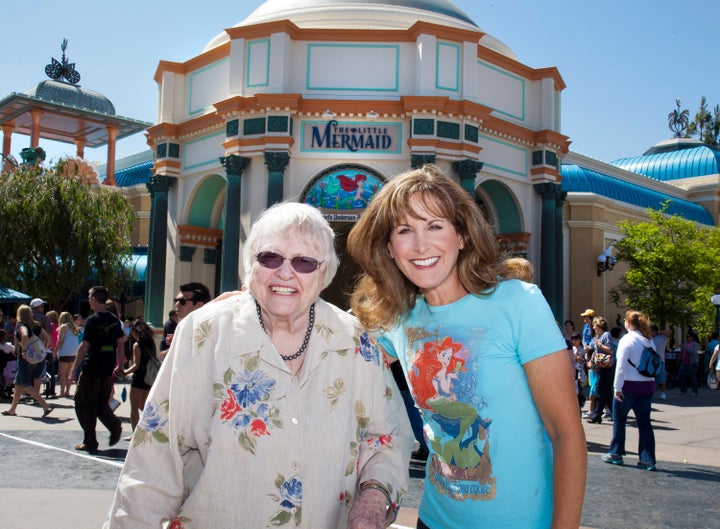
(75, 489)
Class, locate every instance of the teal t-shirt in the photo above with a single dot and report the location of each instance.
(490, 463)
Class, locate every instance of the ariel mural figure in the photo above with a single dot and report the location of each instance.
(438, 376)
(343, 188)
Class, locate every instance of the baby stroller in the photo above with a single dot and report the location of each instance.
(7, 376)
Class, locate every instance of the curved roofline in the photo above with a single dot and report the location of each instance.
(576, 179)
(685, 162)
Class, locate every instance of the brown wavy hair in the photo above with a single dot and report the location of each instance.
(383, 294)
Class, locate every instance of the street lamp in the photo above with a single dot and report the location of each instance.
(715, 300)
(606, 260)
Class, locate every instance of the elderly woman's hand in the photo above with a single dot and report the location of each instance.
(369, 511)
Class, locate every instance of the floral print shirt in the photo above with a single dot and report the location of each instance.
(230, 438)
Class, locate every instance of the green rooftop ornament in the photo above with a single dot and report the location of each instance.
(32, 155)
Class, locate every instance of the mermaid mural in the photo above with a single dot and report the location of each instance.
(442, 385)
(343, 188)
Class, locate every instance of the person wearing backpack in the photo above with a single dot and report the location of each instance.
(27, 370)
(633, 391)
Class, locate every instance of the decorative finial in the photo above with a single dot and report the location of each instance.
(58, 69)
(678, 121)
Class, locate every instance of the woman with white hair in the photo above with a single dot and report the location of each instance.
(272, 407)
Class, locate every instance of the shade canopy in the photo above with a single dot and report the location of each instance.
(8, 295)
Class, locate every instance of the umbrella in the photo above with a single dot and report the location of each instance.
(8, 295)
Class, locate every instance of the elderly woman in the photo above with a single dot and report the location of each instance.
(484, 359)
(272, 407)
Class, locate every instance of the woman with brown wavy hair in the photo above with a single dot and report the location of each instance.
(482, 355)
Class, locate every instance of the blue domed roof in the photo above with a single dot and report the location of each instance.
(578, 179)
(72, 96)
(674, 160)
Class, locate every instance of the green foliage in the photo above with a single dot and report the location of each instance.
(706, 125)
(59, 232)
(674, 268)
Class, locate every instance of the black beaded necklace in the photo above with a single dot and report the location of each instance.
(311, 323)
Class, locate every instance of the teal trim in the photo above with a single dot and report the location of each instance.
(278, 124)
(203, 202)
(249, 65)
(505, 206)
(211, 161)
(365, 89)
(448, 130)
(471, 133)
(191, 78)
(253, 126)
(423, 127)
(556, 125)
(521, 117)
(457, 67)
(525, 152)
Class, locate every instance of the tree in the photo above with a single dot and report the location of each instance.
(60, 232)
(705, 124)
(673, 270)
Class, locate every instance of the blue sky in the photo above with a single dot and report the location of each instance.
(624, 62)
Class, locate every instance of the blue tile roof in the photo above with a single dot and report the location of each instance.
(578, 179)
(135, 174)
(673, 165)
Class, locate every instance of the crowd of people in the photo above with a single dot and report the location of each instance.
(312, 402)
(90, 354)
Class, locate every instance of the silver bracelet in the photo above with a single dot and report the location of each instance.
(391, 513)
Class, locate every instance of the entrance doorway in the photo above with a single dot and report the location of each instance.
(338, 292)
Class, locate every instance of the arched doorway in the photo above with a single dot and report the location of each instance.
(342, 193)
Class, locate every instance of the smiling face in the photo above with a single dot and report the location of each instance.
(283, 293)
(425, 248)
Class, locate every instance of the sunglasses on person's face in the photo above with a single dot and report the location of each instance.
(182, 301)
(300, 263)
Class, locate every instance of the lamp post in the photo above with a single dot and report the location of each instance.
(715, 300)
(606, 260)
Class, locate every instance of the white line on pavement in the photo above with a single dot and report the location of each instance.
(73, 453)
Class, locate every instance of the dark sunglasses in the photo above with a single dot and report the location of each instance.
(182, 301)
(300, 263)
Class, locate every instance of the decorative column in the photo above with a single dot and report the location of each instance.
(110, 173)
(230, 259)
(467, 170)
(158, 186)
(35, 115)
(560, 198)
(7, 129)
(548, 246)
(418, 160)
(276, 162)
(80, 147)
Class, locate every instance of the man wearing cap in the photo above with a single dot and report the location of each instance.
(587, 330)
(38, 313)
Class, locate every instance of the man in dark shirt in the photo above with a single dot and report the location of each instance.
(168, 329)
(102, 344)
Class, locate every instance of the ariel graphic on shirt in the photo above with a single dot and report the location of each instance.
(440, 383)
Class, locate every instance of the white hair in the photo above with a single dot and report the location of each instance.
(289, 219)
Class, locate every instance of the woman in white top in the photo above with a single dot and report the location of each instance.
(68, 341)
(633, 391)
